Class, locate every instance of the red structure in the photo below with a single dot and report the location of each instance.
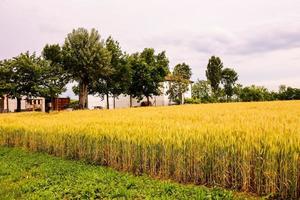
(60, 103)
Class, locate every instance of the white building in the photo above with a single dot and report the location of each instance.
(123, 101)
(27, 104)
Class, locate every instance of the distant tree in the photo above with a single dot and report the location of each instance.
(237, 90)
(254, 93)
(148, 71)
(116, 80)
(179, 82)
(54, 78)
(288, 93)
(183, 70)
(229, 77)
(282, 89)
(202, 90)
(214, 73)
(85, 59)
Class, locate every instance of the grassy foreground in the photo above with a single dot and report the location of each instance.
(26, 175)
(249, 147)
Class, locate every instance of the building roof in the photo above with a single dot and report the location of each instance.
(170, 78)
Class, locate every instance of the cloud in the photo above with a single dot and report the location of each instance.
(255, 40)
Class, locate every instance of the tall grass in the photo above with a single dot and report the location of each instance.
(251, 147)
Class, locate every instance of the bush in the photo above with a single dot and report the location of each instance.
(192, 101)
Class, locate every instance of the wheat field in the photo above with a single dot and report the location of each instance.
(251, 147)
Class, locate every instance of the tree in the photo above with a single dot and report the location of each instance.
(85, 59)
(5, 81)
(115, 81)
(148, 71)
(179, 82)
(202, 90)
(288, 93)
(254, 93)
(237, 90)
(229, 77)
(25, 80)
(214, 73)
(54, 77)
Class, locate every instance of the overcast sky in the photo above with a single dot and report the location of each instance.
(260, 39)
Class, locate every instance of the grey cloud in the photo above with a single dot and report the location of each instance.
(250, 41)
(271, 40)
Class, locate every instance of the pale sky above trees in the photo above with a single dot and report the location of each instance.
(259, 39)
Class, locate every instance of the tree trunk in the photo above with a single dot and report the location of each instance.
(114, 102)
(19, 99)
(83, 93)
(7, 104)
(148, 101)
(181, 98)
(130, 101)
(107, 101)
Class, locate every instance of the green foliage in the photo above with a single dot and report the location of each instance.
(202, 90)
(26, 75)
(183, 71)
(38, 176)
(192, 101)
(148, 70)
(85, 59)
(116, 80)
(54, 77)
(214, 73)
(254, 93)
(6, 85)
(179, 82)
(74, 104)
(288, 93)
(229, 77)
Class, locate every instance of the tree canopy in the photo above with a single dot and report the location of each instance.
(214, 73)
(229, 77)
(54, 77)
(202, 90)
(179, 82)
(116, 79)
(148, 71)
(85, 59)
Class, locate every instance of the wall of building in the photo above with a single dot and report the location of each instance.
(12, 104)
(123, 101)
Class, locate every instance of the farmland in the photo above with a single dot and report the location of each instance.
(25, 175)
(249, 147)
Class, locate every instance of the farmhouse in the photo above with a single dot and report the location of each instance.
(27, 104)
(124, 101)
(94, 102)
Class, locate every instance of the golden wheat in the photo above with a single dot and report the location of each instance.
(252, 147)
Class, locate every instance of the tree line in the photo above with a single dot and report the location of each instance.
(221, 86)
(102, 68)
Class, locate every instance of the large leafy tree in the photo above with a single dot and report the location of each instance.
(229, 78)
(179, 82)
(148, 70)
(26, 75)
(54, 77)
(214, 73)
(117, 78)
(85, 59)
